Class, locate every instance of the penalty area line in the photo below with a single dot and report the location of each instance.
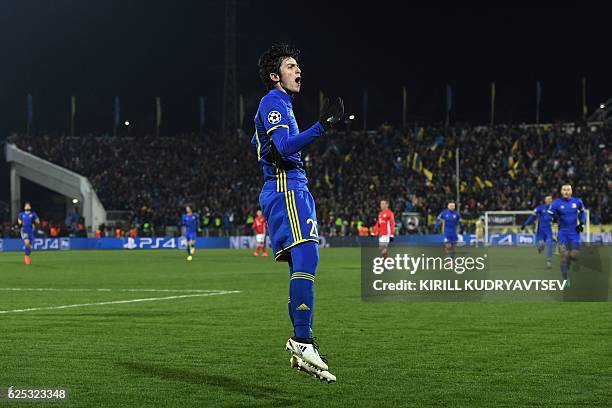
(107, 290)
(118, 302)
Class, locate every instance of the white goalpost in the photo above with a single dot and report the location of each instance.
(509, 222)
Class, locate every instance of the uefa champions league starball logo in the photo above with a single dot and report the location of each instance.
(274, 117)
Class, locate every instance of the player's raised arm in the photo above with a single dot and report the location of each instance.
(280, 71)
(278, 128)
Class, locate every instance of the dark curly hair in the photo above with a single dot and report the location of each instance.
(271, 60)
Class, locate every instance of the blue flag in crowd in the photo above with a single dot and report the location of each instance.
(117, 111)
(202, 112)
(30, 109)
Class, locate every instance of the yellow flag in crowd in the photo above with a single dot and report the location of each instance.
(421, 134)
(417, 165)
(441, 159)
(480, 183)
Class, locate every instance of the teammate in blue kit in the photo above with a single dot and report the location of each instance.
(191, 221)
(452, 219)
(569, 212)
(27, 218)
(285, 199)
(544, 235)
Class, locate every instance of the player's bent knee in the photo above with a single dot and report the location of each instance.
(305, 257)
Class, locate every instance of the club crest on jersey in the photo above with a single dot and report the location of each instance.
(573, 205)
(274, 117)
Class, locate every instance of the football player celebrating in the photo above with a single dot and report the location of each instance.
(544, 228)
(285, 199)
(569, 212)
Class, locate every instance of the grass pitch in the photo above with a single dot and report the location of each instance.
(217, 338)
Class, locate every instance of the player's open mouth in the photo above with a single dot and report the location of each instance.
(298, 80)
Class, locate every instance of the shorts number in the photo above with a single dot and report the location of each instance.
(313, 230)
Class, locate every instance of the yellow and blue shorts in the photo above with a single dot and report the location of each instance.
(292, 220)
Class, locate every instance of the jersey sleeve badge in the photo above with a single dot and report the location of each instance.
(274, 117)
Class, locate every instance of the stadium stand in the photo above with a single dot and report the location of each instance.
(502, 168)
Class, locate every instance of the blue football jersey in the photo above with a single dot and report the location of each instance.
(567, 210)
(281, 172)
(544, 217)
(451, 219)
(191, 222)
(27, 220)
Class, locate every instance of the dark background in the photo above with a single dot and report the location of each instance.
(174, 49)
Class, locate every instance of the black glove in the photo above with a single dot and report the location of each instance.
(579, 228)
(330, 115)
(391, 238)
(522, 228)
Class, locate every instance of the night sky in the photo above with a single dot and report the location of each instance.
(174, 49)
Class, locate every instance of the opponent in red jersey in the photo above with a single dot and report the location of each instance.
(384, 227)
(259, 225)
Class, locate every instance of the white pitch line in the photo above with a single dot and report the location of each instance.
(105, 290)
(116, 302)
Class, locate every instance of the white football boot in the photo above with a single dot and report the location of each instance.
(307, 352)
(322, 375)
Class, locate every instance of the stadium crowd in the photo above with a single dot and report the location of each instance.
(502, 168)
